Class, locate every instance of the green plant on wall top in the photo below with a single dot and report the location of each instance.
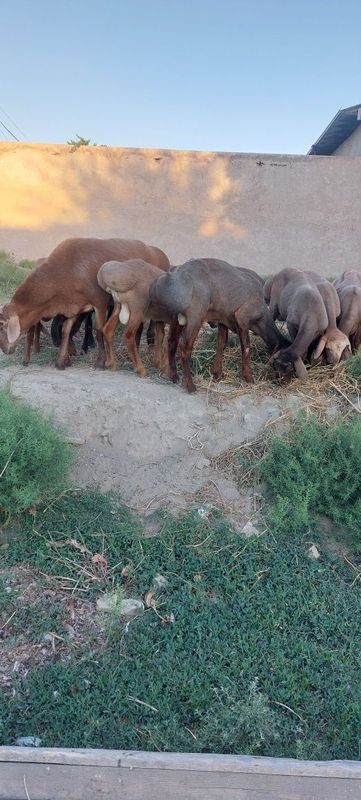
(79, 141)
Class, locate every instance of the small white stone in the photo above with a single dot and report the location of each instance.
(131, 608)
(160, 581)
(250, 530)
(108, 602)
(28, 741)
(313, 552)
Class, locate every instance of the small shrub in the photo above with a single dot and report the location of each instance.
(33, 457)
(244, 724)
(317, 470)
(11, 274)
(26, 263)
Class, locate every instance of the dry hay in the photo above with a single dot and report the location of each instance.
(325, 385)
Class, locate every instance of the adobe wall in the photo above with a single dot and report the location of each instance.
(261, 211)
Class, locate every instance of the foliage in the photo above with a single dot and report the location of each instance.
(11, 273)
(26, 263)
(261, 654)
(353, 367)
(79, 141)
(317, 470)
(34, 456)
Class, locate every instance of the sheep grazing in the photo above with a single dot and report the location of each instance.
(128, 283)
(333, 343)
(207, 289)
(294, 298)
(66, 283)
(348, 288)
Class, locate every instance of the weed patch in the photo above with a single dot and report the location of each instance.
(353, 368)
(33, 457)
(11, 273)
(317, 470)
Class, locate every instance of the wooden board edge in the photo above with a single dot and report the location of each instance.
(203, 762)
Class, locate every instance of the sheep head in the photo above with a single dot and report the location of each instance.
(335, 345)
(10, 330)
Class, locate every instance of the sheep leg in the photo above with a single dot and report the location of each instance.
(138, 335)
(88, 341)
(108, 333)
(186, 348)
(158, 348)
(71, 345)
(357, 338)
(63, 359)
(246, 354)
(37, 329)
(28, 345)
(129, 338)
(100, 316)
(175, 330)
(222, 339)
(151, 333)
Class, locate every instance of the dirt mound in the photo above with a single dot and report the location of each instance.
(150, 440)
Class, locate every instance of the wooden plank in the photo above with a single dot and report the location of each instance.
(181, 761)
(252, 764)
(59, 782)
(65, 782)
(59, 755)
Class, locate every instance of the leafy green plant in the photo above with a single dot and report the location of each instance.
(317, 470)
(34, 456)
(26, 263)
(11, 273)
(79, 141)
(353, 367)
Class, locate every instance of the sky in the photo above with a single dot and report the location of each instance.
(224, 75)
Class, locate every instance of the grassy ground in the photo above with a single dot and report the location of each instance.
(246, 646)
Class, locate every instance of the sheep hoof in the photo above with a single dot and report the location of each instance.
(248, 378)
(189, 386)
(174, 377)
(142, 372)
(218, 375)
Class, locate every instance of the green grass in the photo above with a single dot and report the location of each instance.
(353, 367)
(317, 470)
(34, 457)
(258, 626)
(30, 621)
(12, 273)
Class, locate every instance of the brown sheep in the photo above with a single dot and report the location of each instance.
(66, 283)
(209, 289)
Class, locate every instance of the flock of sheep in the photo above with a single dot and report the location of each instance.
(128, 281)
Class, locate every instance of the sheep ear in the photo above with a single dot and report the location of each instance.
(13, 329)
(300, 369)
(320, 347)
(267, 289)
(346, 353)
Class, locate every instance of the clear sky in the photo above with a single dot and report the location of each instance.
(263, 76)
